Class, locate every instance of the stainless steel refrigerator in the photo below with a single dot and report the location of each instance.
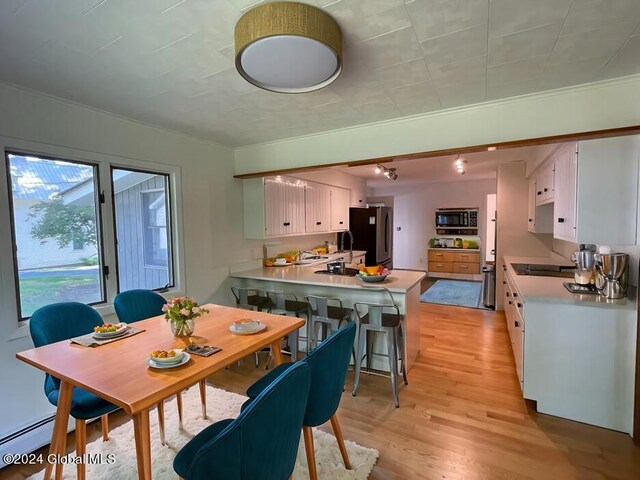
(372, 230)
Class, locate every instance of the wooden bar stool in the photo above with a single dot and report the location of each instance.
(327, 312)
(286, 303)
(381, 318)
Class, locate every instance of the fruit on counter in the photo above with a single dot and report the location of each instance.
(378, 270)
(268, 262)
(361, 267)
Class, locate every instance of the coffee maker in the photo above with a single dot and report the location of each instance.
(585, 264)
(612, 274)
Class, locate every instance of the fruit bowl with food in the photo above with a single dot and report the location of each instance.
(373, 274)
(167, 357)
(107, 330)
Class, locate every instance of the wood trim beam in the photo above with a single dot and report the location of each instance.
(568, 137)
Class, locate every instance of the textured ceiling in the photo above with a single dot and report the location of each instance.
(170, 62)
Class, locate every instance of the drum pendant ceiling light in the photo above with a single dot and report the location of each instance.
(288, 47)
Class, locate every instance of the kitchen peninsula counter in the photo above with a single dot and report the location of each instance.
(404, 286)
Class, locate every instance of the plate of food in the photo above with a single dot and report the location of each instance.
(246, 326)
(167, 359)
(109, 330)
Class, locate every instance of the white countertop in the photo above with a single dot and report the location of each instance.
(399, 281)
(550, 289)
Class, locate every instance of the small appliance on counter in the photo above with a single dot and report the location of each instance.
(584, 258)
(612, 274)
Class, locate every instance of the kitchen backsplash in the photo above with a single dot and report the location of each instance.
(306, 242)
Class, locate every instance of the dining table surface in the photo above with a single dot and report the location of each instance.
(118, 371)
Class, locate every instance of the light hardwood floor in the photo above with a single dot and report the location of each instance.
(462, 415)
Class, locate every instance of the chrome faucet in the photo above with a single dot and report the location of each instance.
(350, 245)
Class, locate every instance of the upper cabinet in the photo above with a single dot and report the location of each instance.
(596, 191)
(285, 206)
(318, 207)
(359, 193)
(545, 183)
(340, 199)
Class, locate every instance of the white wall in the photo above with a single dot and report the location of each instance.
(211, 216)
(579, 109)
(413, 213)
(513, 237)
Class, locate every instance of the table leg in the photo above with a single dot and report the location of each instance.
(143, 443)
(203, 397)
(276, 353)
(59, 436)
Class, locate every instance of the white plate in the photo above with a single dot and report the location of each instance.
(243, 331)
(282, 264)
(120, 331)
(152, 364)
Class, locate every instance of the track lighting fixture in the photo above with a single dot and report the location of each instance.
(460, 165)
(390, 173)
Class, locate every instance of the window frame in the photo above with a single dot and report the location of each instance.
(99, 223)
(171, 201)
(8, 270)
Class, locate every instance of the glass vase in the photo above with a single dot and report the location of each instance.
(182, 327)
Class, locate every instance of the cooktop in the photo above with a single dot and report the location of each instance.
(563, 271)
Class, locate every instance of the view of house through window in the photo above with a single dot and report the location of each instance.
(55, 219)
(142, 229)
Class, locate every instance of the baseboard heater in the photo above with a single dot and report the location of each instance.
(28, 438)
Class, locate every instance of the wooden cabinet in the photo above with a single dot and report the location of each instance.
(454, 262)
(597, 191)
(340, 198)
(317, 207)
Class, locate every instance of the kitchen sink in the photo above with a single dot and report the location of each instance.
(348, 272)
(536, 270)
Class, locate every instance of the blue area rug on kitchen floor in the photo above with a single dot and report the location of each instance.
(454, 292)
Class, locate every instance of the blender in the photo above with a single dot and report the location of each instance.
(612, 274)
(584, 259)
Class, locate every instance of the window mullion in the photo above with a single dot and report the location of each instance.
(108, 232)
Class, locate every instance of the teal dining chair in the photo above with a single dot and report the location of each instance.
(135, 305)
(261, 443)
(328, 363)
(62, 321)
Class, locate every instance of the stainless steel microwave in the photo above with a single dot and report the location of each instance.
(450, 219)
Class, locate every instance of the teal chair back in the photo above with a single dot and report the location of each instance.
(62, 321)
(134, 305)
(329, 362)
(261, 443)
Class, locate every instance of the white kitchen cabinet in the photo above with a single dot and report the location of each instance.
(540, 218)
(273, 207)
(340, 200)
(358, 195)
(317, 200)
(514, 314)
(596, 191)
(545, 183)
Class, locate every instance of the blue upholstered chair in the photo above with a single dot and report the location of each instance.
(261, 443)
(62, 321)
(135, 305)
(329, 362)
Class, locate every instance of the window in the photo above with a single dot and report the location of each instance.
(54, 211)
(143, 229)
(65, 249)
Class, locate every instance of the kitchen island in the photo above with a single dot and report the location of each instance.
(404, 286)
(574, 353)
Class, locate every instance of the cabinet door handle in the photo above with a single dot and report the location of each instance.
(545, 189)
(503, 282)
(341, 223)
(531, 220)
(560, 220)
(438, 254)
(539, 193)
(510, 302)
(508, 295)
(318, 223)
(519, 305)
(515, 294)
(286, 224)
(516, 323)
(464, 266)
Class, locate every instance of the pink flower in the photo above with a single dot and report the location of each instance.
(196, 309)
(165, 307)
(185, 312)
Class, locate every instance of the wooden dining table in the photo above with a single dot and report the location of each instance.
(118, 371)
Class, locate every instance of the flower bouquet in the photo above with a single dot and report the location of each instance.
(181, 312)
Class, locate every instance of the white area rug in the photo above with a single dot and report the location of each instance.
(220, 405)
